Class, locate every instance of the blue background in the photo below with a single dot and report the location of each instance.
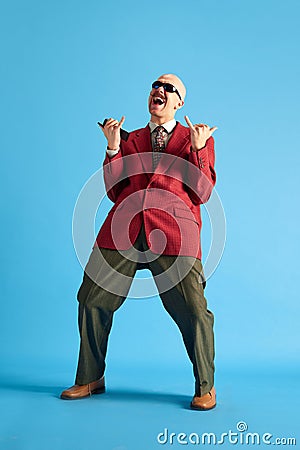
(64, 66)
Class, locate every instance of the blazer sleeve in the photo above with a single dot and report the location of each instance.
(201, 176)
(114, 175)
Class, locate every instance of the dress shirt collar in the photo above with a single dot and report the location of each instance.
(168, 126)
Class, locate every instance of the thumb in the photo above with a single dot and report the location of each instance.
(212, 130)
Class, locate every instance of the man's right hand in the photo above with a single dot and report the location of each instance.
(111, 131)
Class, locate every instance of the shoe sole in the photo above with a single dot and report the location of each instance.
(198, 408)
(96, 391)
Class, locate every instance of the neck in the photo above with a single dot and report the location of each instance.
(160, 120)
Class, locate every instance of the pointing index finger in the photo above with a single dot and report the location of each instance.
(189, 122)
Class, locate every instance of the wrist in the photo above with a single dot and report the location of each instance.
(197, 149)
(198, 144)
(114, 148)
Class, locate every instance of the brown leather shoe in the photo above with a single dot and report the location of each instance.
(205, 402)
(86, 390)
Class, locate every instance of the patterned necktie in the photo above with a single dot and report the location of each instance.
(159, 144)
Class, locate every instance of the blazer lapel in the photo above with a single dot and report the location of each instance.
(141, 140)
(142, 143)
(175, 147)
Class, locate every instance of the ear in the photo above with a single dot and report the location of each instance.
(179, 105)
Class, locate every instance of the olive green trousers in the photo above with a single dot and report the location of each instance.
(106, 282)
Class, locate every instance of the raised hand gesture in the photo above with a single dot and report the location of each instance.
(111, 131)
(199, 134)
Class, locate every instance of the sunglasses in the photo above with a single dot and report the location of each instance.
(168, 87)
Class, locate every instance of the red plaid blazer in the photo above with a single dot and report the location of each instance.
(167, 200)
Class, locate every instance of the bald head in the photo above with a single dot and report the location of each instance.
(176, 81)
(163, 103)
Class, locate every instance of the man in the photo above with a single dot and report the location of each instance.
(157, 179)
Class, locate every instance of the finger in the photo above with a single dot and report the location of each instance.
(113, 124)
(212, 130)
(121, 121)
(109, 121)
(189, 122)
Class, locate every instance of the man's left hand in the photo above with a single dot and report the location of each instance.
(199, 134)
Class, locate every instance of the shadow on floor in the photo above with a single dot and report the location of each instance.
(113, 395)
(132, 395)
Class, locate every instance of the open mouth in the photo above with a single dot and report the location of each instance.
(157, 100)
